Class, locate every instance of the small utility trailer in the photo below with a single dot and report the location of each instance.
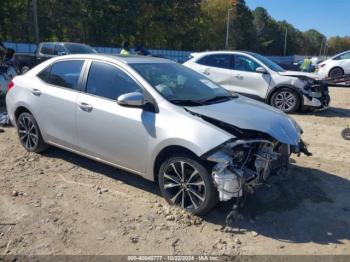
(341, 81)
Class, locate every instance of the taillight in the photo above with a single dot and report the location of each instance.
(10, 85)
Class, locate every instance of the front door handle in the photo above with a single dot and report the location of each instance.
(85, 107)
(36, 92)
(206, 72)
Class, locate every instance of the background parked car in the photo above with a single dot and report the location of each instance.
(335, 66)
(48, 50)
(258, 77)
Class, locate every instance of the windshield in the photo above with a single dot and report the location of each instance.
(181, 85)
(80, 49)
(269, 63)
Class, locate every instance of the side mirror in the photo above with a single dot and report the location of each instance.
(261, 70)
(61, 53)
(134, 99)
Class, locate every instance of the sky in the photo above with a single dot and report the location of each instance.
(330, 17)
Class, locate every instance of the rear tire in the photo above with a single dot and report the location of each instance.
(24, 70)
(286, 99)
(29, 133)
(184, 180)
(336, 72)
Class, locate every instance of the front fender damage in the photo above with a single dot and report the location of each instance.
(243, 165)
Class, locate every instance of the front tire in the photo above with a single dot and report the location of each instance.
(185, 181)
(286, 100)
(29, 133)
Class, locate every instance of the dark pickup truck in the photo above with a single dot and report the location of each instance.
(48, 50)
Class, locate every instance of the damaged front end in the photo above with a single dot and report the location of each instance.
(315, 92)
(244, 165)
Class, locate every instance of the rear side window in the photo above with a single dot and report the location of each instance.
(47, 49)
(107, 81)
(65, 74)
(221, 61)
(45, 74)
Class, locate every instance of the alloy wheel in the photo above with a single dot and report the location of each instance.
(285, 100)
(184, 185)
(28, 133)
(336, 72)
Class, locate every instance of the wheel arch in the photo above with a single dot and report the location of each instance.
(19, 110)
(166, 152)
(276, 88)
(334, 67)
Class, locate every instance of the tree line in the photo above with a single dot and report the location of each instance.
(170, 24)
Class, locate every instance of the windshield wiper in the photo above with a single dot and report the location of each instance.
(218, 99)
(186, 102)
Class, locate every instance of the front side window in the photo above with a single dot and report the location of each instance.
(47, 49)
(59, 49)
(343, 56)
(243, 63)
(108, 81)
(267, 62)
(220, 61)
(64, 73)
(181, 85)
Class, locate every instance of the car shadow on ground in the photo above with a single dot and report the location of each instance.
(331, 112)
(103, 169)
(306, 205)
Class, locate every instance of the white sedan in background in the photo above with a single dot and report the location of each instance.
(258, 77)
(335, 66)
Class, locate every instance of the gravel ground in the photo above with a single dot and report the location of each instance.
(61, 203)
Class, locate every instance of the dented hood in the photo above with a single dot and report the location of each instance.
(296, 74)
(249, 114)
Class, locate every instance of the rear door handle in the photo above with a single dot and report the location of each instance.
(240, 77)
(85, 107)
(36, 92)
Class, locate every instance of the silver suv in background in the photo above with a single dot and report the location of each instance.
(157, 119)
(260, 78)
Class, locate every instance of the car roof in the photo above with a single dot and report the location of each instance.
(130, 59)
(63, 43)
(200, 54)
(342, 53)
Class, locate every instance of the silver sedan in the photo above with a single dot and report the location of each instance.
(157, 119)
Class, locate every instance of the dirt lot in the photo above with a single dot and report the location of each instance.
(68, 204)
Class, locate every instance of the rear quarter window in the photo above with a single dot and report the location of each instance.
(63, 73)
(220, 60)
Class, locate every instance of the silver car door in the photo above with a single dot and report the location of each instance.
(247, 80)
(106, 130)
(57, 92)
(218, 67)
